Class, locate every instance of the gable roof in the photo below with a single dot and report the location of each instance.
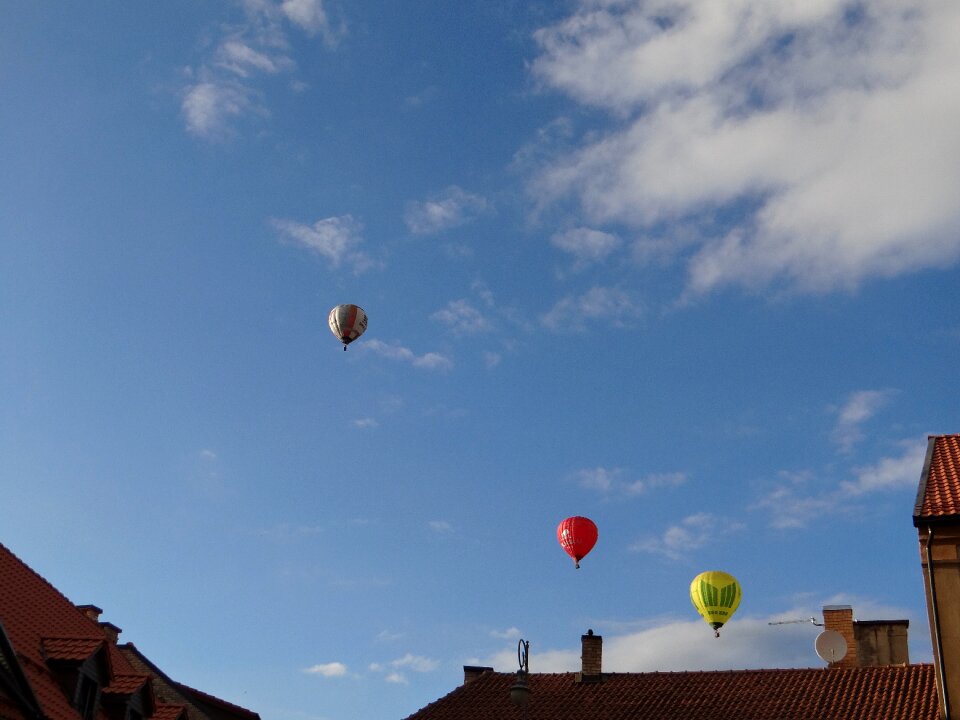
(177, 694)
(47, 638)
(905, 692)
(938, 496)
(42, 624)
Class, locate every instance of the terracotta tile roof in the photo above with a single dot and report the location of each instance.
(74, 648)
(906, 692)
(126, 684)
(216, 707)
(198, 705)
(38, 619)
(169, 712)
(939, 492)
(43, 627)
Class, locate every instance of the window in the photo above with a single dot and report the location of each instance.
(86, 697)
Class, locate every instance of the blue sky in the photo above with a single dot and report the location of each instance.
(688, 269)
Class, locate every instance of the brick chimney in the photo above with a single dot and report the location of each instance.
(882, 642)
(591, 657)
(472, 672)
(839, 618)
(111, 631)
(91, 611)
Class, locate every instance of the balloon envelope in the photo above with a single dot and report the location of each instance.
(347, 322)
(577, 536)
(716, 596)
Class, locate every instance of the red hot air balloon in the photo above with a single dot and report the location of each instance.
(577, 536)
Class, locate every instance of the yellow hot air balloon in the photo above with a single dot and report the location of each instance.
(716, 596)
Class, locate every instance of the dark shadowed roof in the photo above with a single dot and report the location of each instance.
(906, 692)
(939, 493)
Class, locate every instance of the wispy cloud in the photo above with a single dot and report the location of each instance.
(691, 533)
(440, 526)
(365, 423)
(821, 132)
(858, 408)
(208, 107)
(395, 668)
(335, 238)
(510, 633)
(451, 208)
(462, 318)
(430, 360)
(597, 306)
(612, 480)
(587, 246)
(224, 86)
(331, 669)
(794, 503)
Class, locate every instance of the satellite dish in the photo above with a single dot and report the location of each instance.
(830, 646)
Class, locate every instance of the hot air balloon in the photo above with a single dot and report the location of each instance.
(577, 536)
(347, 322)
(716, 596)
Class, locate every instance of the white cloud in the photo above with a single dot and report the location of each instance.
(692, 533)
(440, 526)
(311, 16)
(331, 669)
(231, 74)
(462, 318)
(610, 480)
(396, 678)
(673, 644)
(416, 663)
(240, 59)
(365, 423)
(452, 208)
(510, 633)
(889, 473)
(430, 360)
(599, 305)
(207, 107)
(585, 245)
(789, 507)
(825, 129)
(858, 408)
(334, 238)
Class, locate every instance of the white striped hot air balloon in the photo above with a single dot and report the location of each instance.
(347, 322)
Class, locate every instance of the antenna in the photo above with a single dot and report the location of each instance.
(830, 646)
(812, 621)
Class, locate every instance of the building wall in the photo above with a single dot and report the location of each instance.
(944, 611)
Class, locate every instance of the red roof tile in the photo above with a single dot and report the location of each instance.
(169, 712)
(905, 692)
(43, 627)
(939, 492)
(126, 684)
(70, 648)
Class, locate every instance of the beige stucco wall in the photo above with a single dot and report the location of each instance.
(946, 578)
